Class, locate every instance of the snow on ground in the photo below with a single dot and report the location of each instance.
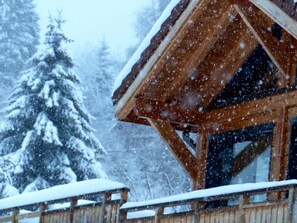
(223, 190)
(61, 192)
(145, 43)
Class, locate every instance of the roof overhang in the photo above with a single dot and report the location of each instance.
(200, 46)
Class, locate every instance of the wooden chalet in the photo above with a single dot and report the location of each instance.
(224, 71)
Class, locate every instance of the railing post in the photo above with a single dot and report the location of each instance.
(106, 197)
(42, 208)
(73, 203)
(197, 206)
(292, 206)
(15, 215)
(159, 214)
(243, 199)
(122, 214)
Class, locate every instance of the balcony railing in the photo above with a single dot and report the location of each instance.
(98, 201)
(273, 202)
(88, 201)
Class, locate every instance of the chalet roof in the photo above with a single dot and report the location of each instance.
(193, 40)
(129, 73)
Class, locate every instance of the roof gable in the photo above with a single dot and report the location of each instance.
(202, 52)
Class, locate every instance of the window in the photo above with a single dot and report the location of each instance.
(241, 156)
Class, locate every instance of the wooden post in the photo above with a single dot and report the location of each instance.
(278, 160)
(106, 197)
(243, 199)
(122, 215)
(197, 206)
(202, 149)
(15, 215)
(159, 214)
(42, 208)
(292, 205)
(73, 203)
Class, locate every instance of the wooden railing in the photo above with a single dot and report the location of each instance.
(90, 201)
(233, 204)
(273, 202)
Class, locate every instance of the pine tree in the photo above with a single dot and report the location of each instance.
(98, 75)
(18, 39)
(103, 75)
(6, 189)
(47, 131)
(104, 81)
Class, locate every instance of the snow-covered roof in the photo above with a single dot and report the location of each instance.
(145, 43)
(73, 190)
(151, 42)
(158, 34)
(212, 192)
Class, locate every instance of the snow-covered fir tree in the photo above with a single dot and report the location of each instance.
(6, 188)
(18, 39)
(47, 131)
(103, 77)
(98, 73)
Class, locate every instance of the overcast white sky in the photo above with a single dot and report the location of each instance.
(88, 21)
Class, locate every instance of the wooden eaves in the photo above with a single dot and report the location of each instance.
(175, 80)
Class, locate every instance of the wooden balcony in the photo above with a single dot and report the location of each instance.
(273, 202)
(87, 201)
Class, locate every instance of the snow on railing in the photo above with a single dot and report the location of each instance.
(239, 202)
(105, 201)
(70, 202)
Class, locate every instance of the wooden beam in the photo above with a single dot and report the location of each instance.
(177, 146)
(252, 112)
(252, 108)
(209, 36)
(281, 52)
(181, 126)
(291, 55)
(277, 15)
(174, 111)
(202, 150)
(231, 124)
(280, 146)
(159, 59)
(250, 153)
(221, 64)
(261, 28)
